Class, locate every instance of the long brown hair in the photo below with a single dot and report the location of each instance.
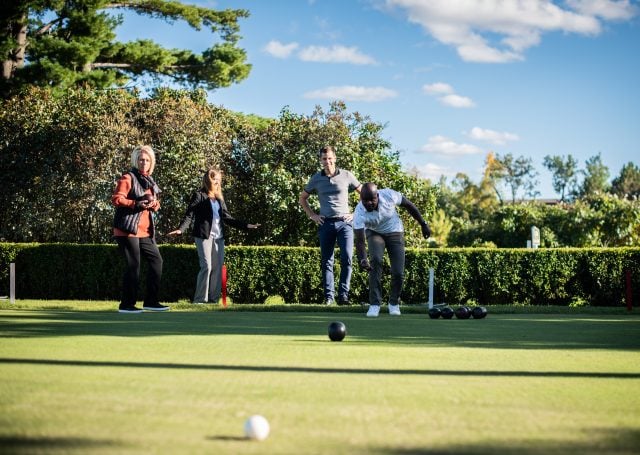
(208, 186)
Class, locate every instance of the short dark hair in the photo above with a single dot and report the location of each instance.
(326, 149)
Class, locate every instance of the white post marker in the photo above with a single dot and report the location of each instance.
(12, 282)
(535, 237)
(430, 288)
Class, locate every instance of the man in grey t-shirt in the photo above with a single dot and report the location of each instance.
(334, 221)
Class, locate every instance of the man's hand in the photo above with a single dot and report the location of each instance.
(364, 263)
(426, 231)
(318, 219)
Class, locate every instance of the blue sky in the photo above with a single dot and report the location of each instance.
(451, 79)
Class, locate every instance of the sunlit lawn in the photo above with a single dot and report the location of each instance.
(79, 381)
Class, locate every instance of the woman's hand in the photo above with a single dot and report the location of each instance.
(153, 205)
(253, 226)
(176, 232)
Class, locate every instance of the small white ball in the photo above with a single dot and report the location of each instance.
(256, 427)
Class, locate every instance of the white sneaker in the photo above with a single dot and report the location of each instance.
(394, 310)
(374, 311)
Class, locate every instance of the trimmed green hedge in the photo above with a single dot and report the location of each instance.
(568, 276)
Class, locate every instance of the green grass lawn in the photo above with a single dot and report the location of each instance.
(80, 381)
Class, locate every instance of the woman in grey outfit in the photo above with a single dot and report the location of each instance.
(208, 213)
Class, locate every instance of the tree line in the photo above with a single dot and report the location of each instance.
(67, 127)
(590, 212)
(61, 154)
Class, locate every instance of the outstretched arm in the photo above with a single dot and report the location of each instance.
(415, 213)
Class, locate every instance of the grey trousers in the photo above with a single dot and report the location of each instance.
(209, 282)
(394, 243)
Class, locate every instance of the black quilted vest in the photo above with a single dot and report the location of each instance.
(126, 218)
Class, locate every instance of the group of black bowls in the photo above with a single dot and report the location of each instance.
(462, 312)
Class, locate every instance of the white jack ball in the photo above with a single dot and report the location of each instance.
(256, 427)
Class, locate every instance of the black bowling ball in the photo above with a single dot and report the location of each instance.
(446, 313)
(337, 331)
(479, 312)
(463, 312)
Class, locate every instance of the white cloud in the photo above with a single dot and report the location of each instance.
(454, 100)
(352, 93)
(438, 88)
(335, 54)
(494, 137)
(606, 9)
(442, 145)
(434, 171)
(280, 50)
(447, 95)
(471, 25)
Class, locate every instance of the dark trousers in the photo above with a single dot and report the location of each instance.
(133, 249)
(394, 244)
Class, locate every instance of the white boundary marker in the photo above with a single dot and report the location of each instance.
(12, 282)
(430, 288)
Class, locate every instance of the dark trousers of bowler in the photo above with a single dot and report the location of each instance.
(394, 244)
(133, 249)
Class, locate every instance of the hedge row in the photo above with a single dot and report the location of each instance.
(483, 276)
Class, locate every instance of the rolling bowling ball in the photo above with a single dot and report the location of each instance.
(337, 331)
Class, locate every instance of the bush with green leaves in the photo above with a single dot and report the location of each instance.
(62, 155)
(486, 276)
(598, 220)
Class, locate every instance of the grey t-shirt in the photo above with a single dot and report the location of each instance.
(333, 192)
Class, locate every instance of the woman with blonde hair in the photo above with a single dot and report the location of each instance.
(136, 198)
(208, 212)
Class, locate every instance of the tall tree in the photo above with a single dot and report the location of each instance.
(564, 174)
(62, 43)
(517, 173)
(627, 184)
(596, 177)
(494, 173)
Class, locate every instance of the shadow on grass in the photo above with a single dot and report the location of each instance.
(227, 438)
(610, 441)
(40, 444)
(319, 370)
(496, 331)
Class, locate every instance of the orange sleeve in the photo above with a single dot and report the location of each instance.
(119, 198)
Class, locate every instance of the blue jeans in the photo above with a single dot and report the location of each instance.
(330, 232)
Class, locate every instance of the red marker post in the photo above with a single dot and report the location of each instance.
(224, 285)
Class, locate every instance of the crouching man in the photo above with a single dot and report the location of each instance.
(376, 217)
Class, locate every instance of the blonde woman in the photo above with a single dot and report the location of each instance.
(135, 198)
(208, 213)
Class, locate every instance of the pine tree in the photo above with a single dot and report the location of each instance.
(62, 43)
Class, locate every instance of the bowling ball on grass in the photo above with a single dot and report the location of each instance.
(337, 331)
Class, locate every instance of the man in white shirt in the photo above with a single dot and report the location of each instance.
(376, 217)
